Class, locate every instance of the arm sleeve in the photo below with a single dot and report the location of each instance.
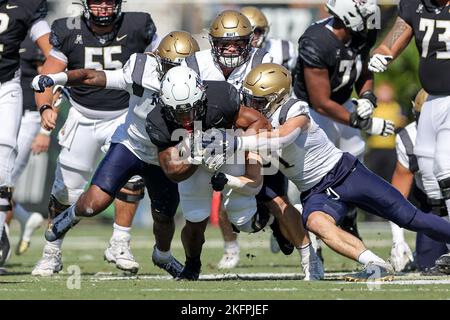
(59, 55)
(38, 29)
(402, 157)
(121, 79)
(311, 54)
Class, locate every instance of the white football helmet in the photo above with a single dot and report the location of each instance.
(354, 13)
(182, 96)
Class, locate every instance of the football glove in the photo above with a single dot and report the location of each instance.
(218, 181)
(379, 62)
(218, 146)
(366, 104)
(373, 126)
(400, 255)
(41, 82)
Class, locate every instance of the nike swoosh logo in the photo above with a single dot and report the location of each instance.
(217, 122)
(9, 7)
(121, 38)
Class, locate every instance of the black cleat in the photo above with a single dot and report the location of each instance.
(433, 272)
(319, 254)
(443, 263)
(191, 270)
(285, 245)
(172, 265)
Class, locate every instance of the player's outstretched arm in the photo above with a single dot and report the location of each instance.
(392, 46)
(175, 168)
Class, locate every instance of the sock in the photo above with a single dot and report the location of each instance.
(231, 246)
(57, 244)
(2, 222)
(397, 233)
(368, 256)
(21, 214)
(306, 252)
(121, 232)
(161, 255)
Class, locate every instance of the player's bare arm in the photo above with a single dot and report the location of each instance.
(365, 81)
(173, 166)
(319, 90)
(86, 77)
(250, 119)
(402, 179)
(43, 43)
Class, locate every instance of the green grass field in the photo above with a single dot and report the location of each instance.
(260, 275)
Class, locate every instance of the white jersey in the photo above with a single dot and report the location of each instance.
(139, 77)
(405, 153)
(203, 63)
(282, 52)
(312, 155)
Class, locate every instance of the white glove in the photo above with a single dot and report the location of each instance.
(379, 62)
(381, 127)
(214, 162)
(364, 108)
(42, 81)
(400, 255)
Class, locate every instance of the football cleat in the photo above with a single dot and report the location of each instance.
(373, 271)
(172, 265)
(313, 269)
(349, 224)
(433, 272)
(191, 270)
(33, 222)
(443, 263)
(285, 245)
(49, 264)
(274, 247)
(61, 224)
(230, 259)
(5, 248)
(119, 253)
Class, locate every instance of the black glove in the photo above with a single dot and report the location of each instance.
(357, 122)
(218, 181)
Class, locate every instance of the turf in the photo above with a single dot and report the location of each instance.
(260, 275)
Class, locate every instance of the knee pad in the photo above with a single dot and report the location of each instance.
(134, 185)
(438, 207)
(6, 193)
(161, 218)
(444, 184)
(55, 207)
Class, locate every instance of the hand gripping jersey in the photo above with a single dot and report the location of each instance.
(431, 27)
(203, 63)
(320, 48)
(17, 17)
(82, 49)
(311, 156)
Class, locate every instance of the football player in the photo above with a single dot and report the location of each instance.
(429, 23)
(17, 19)
(407, 179)
(329, 179)
(282, 51)
(332, 62)
(131, 151)
(104, 37)
(230, 58)
(213, 104)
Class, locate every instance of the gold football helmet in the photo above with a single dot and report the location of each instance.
(419, 100)
(266, 88)
(230, 29)
(173, 49)
(260, 25)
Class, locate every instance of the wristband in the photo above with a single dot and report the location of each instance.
(43, 108)
(59, 78)
(369, 95)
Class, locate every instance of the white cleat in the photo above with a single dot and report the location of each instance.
(34, 221)
(401, 255)
(313, 269)
(49, 264)
(119, 252)
(230, 259)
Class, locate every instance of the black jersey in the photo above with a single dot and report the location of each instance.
(86, 50)
(30, 58)
(431, 26)
(320, 48)
(16, 18)
(222, 109)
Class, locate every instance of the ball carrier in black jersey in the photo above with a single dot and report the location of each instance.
(103, 38)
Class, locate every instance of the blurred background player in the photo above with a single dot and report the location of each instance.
(131, 150)
(282, 51)
(407, 179)
(17, 19)
(428, 22)
(332, 62)
(103, 38)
